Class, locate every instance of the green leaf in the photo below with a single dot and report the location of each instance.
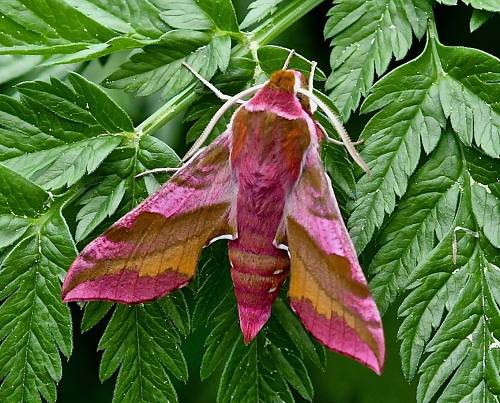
(99, 203)
(490, 5)
(135, 18)
(479, 18)
(222, 14)
(18, 196)
(201, 15)
(64, 165)
(486, 207)
(141, 343)
(221, 47)
(264, 370)
(425, 213)
(35, 324)
(411, 116)
(415, 98)
(94, 313)
(451, 316)
(258, 10)
(469, 92)
(12, 67)
(365, 36)
(59, 133)
(159, 67)
(186, 14)
(81, 30)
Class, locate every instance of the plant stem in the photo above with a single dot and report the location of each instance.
(279, 22)
(262, 35)
(167, 111)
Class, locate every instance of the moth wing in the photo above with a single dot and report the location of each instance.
(154, 249)
(328, 290)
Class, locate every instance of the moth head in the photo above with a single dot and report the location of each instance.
(290, 81)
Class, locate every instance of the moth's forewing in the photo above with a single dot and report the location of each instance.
(328, 290)
(154, 249)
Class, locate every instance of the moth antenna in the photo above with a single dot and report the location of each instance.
(312, 104)
(288, 59)
(329, 139)
(206, 132)
(158, 170)
(208, 84)
(339, 128)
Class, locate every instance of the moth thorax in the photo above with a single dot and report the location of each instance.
(290, 81)
(283, 79)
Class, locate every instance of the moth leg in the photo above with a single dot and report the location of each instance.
(312, 105)
(288, 59)
(210, 86)
(158, 170)
(228, 104)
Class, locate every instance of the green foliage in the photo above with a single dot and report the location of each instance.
(258, 10)
(34, 323)
(438, 212)
(271, 365)
(142, 343)
(489, 5)
(427, 217)
(365, 36)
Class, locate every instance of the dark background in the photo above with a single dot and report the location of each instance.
(344, 380)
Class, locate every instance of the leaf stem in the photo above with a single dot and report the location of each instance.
(167, 111)
(262, 35)
(273, 26)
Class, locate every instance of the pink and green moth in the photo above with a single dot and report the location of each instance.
(260, 184)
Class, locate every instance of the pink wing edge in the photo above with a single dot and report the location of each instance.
(128, 286)
(332, 237)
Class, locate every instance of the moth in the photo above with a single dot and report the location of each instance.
(261, 185)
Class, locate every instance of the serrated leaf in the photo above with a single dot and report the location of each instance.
(258, 10)
(35, 324)
(458, 83)
(58, 133)
(81, 30)
(221, 13)
(18, 196)
(138, 18)
(425, 213)
(64, 165)
(478, 19)
(451, 315)
(411, 116)
(200, 15)
(490, 5)
(486, 207)
(469, 90)
(98, 203)
(365, 36)
(159, 67)
(221, 47)
(264, 370)
(94, 312)
(140, 342)
(186, 14)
